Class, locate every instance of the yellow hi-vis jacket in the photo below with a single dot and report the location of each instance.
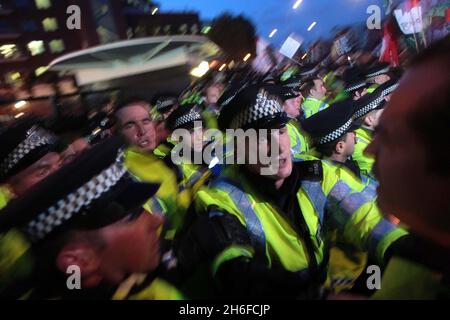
(330, 200)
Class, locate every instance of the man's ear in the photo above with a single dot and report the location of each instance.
(81, 255)
(368, 120)
(339, 147)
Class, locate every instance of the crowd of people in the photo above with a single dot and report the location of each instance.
(362, 179)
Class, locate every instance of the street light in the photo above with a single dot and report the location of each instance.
(154, 10)
(312, 26)
(20, 104)
(296, 4)
(17, 116)
(304, 56)
(200, 70)
(247, 56)
(222, 67)
(273, 33)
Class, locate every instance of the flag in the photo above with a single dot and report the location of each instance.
(389, 51)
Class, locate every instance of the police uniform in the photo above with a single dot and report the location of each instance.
(346, 262)
(364, 135)
(194, 175)
(81, 197)
(285, 253)
(164, 104)
(22, 145)
(312, 105)
(371, 73)
(299, 140)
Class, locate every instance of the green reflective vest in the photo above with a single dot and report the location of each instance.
(332, 201)
(169, 199)
(312, 105)
(299, 141)
(364, 137)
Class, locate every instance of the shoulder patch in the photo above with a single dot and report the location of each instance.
(310, 170)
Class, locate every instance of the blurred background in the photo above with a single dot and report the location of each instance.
(49, 66)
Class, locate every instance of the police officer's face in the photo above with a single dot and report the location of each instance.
(349, 144)
(280, 158)
(292, 107)
(319, 89)
(131, 247)
(136, 125)
(408, 188)
(35, 173)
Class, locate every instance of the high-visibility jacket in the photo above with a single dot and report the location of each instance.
(168, 199)
(372, 88)
(328, 200)
(5, 196)
(364, 137)
(299, 141)
(312, 105)
(158, 289)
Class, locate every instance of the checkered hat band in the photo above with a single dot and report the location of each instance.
(377, 73)
(356, 86)
(164, 104)
(36, 137)
(336, 133)
(375, 103)
(293, 85)
(70, 205)
(187, 118)
(264, 106)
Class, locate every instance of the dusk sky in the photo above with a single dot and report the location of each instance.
(270, 14)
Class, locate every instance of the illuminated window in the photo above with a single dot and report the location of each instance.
(40, 70)
(12, 77)
(43, 4)
(8, 51)
(50, 24)
(183, 29)
(36, 47)
(56, 46)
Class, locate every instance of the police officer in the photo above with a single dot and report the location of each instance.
(315, 92)
(87, 221)
(193, 163)
(377, 75)
(28, 155)
(331, 131)
(135, 124)
(285, 210)
(368, 110)
(290, 93)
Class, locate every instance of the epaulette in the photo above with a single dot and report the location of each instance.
(311, 170)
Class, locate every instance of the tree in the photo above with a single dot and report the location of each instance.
(236, 35)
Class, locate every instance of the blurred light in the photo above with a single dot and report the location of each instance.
(20, 104)
(96, 131)
(247, 56)
(206, 29)
(304, 56)
(40, 70)
(154, 11)
(273, 33)
(296, 4)
(231, 64)
(213, 64)
(200, 70)
(312, 26)
(17, 116)
(222, 67)
(348, 58)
